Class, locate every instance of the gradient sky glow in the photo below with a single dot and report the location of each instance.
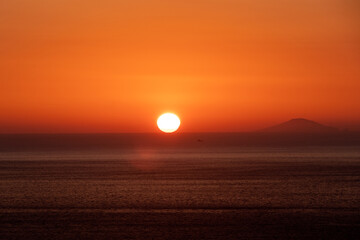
(220, 65)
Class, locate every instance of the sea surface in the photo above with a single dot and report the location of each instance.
(181, 192)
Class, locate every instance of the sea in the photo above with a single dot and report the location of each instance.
(192, 186)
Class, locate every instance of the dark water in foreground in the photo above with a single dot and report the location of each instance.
(181, 193)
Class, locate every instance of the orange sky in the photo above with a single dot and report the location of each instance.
(221, 65)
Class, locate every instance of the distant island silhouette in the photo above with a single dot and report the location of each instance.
(300, 125)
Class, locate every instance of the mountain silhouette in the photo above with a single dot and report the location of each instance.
(300, 125)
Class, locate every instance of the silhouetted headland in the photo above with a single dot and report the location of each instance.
(301, 125)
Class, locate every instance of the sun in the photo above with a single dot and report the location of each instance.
(168, 122)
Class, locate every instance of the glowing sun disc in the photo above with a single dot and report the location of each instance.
(168, 122)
